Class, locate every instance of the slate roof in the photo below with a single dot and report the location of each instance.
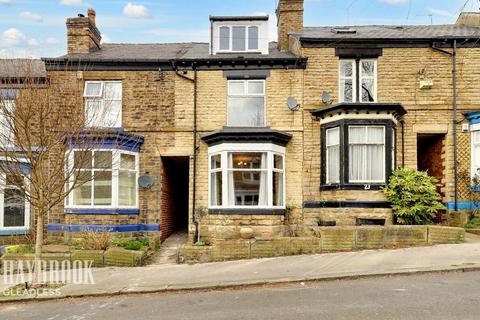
(21, 68)
(168, 51)
(386, 32)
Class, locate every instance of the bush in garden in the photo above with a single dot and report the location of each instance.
(414, 196)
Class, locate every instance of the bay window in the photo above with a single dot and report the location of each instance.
(358, 80)
(103, 104)
(357, 153)
(14, 211)
(475, 151)
(110, 179)
(246, 103)
(246, 176)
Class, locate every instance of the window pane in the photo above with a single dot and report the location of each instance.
(127, 188)
(127, 161)
(113, 90)
(253, 38)
(93, 89)
(346, 90)
(224, 38)
(255, 87)
(356, 134)
(249, 188)
(216, 189)
(368, 90)
(93, 113)
(102, 186)
(357, 162)
(248, 160)
(346, 68)
(9, 94)
(112, 114)
(216, 161)
(375, 135)
(333, 136)
(277, 161)
(368, 68)
(82, 159)
(375, 163)
(333, 164)
(236, 87)
(238, 38)
(82, 195)
(277, 189)
(247, 112)
(14, 208)
(102, 160)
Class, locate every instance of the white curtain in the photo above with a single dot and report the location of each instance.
(231, 182)
(263, 192)
(367, 153)
(333, 155)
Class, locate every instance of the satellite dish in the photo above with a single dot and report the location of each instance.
(145, 182)
(326, 98)
(293, 104)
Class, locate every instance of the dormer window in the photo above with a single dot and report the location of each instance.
(239, 34)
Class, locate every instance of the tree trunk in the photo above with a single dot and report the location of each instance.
(38, 244)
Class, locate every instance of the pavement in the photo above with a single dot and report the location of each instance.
(230, 274)
(427, 296)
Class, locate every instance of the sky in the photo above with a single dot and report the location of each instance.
(36, 28)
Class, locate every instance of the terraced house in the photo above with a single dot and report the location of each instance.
(267, 139)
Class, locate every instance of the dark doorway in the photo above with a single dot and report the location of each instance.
(430, 156)
(174, 212)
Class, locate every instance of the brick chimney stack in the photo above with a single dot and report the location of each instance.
(82, 34)
(289, 19)
(469, 19)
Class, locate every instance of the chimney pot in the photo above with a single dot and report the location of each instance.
(91, 15)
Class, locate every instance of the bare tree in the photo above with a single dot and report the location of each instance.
(41, 119)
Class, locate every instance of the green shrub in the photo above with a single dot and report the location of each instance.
(414, 196)
(472, 224)
(132, 244)
(20, 249)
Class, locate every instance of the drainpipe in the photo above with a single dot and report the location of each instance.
(402, 122)
(455, 153)
(194, 187)
(453, 54)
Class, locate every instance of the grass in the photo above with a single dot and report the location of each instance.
(132, 244)
(21, 249)
(472, 224)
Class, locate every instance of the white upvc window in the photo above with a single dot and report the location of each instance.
(333, 155)
(358, 86)
(110, 179)
(246, 176)
(246, 103)
(14, 206)
(366, 147)
(103, 104)
(475, 151)
(7, 98)
(238, 38)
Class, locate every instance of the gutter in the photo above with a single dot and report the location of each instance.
(194, 182)
(453, 54)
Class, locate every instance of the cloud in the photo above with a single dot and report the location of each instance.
(5, 2)
(106, 39)
(14, 37)
(440, 12)
(394, 1)
(50, 41)
(136, 11)
(27, 15)
(73, 3)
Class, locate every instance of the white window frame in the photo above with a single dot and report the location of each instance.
(101, 98)
(224, 149)
(475, 157)
(356, 80)
(230, 38)
(115, 180)
(366, 143)
(327, 146)
(247, 95)
(3, 186)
